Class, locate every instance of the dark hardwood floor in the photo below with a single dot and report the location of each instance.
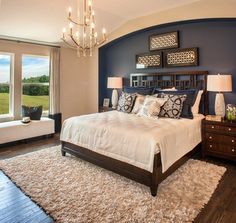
(14, 204)
(222, 206)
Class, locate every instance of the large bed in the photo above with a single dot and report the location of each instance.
(143, 149)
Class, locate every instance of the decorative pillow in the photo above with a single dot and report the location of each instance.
(173, 107)
(126, 102)
(195, 107)
(188, 103)
(139, 90)
(138, 103)
(33, 112)
(151, 106)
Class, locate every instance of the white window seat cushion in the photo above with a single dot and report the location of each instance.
(16, 130)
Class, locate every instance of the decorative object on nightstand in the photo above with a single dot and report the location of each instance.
(216, 118)
(106, 102)
(114, 83)
(231, 112)
(219, 139)
(219, 83)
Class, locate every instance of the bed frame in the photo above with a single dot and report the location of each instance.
(180, 80)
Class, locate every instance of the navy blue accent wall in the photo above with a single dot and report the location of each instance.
(216, 39)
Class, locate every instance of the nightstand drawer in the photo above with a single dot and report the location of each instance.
(221, 128)
(219, 148)
(222, 139)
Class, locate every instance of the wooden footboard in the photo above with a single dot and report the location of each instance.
(132, 172)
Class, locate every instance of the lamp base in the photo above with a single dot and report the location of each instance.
(220, 105)
(114, 98)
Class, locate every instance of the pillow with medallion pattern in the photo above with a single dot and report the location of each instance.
(173, 107)
(126, 102)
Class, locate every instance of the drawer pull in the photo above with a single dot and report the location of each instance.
(233, 150)
(210, 137)
(232, 140)
(229, 129)
(213, 127)
(210, 146)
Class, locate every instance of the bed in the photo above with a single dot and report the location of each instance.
(115, 140)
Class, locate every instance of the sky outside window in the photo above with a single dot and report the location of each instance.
(33, 66)
(5, 68)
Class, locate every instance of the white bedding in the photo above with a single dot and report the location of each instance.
(132, 139)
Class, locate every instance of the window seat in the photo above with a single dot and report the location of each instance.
(16, 130)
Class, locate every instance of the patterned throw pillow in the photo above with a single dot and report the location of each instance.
(138, 103)
(151, 106)
(126, 102)
(173, 107)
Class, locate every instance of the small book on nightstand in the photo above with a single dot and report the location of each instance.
(216, 118)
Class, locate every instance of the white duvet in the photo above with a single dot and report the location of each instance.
(132, 139)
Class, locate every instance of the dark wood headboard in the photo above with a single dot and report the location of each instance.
(182, 80)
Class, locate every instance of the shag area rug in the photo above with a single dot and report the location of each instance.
(72, 190)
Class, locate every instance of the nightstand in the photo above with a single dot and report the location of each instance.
(219, 139)
(105, 109)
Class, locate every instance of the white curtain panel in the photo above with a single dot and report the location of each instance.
(54, 81)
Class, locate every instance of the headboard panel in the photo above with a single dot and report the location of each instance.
(182, 80)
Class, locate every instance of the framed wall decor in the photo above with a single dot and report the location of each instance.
(149, 60)
(181, 57)
(106, 102)
(164, 41)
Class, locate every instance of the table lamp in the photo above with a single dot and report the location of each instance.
(114, 83)
(219, 83)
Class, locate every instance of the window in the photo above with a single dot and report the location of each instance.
(35, 81)
(6, 61)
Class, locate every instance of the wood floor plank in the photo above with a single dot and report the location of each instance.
(15, 206)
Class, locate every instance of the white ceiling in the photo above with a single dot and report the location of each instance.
(43, 20)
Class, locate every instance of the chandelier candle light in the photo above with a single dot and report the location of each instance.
(82, 35)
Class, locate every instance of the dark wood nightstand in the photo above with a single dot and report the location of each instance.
(219, 139)
(105, 109)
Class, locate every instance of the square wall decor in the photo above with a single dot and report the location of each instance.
(148, 60)
(181, 57)
(164, 41)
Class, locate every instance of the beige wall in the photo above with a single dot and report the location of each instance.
(78, 84)
(78, 80)
(197, 10)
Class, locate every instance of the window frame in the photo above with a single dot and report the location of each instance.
(44, 114)
(10, 115)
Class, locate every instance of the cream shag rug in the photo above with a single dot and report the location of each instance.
(72, 190)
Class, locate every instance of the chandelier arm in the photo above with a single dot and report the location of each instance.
(76, 23)
(76, 43)
(100, 43)
(68, 44)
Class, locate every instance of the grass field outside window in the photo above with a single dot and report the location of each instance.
(28, 101)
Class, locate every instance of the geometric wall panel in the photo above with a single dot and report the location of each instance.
(181, 57)
(164, 41)
(148, 60)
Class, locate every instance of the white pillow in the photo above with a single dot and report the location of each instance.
(195, 107)
(169, 89)
(138, 103)
(151, 106)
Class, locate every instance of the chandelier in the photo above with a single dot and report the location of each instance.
(81, 34)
